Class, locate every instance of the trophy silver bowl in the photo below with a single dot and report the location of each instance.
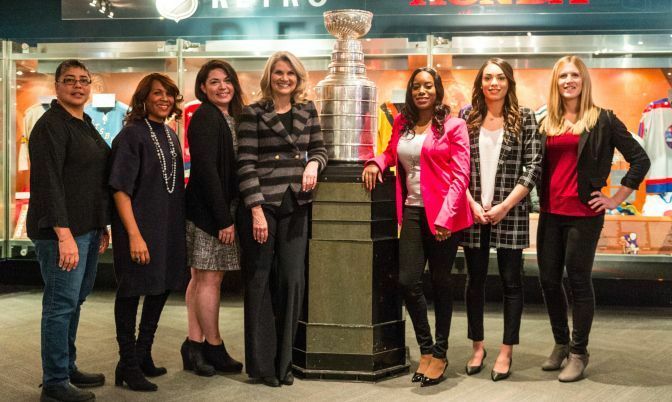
(348, 23)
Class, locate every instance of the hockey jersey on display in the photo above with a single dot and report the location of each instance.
(30, 117)
(655, 129)
(386, 114)
(108, 121)
(189, 110)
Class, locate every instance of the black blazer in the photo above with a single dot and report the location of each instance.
(596, 151)
(213, 182)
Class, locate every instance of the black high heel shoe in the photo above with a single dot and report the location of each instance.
(471, 370)
(428, 382)
(417, 376)
(497, 376)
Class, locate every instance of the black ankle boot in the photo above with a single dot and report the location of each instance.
(65, 393)
(147, 364)
(220, 359)
(133, 376)
(192, 358)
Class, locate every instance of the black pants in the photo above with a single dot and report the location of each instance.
(510, 264)
(125, 311)
(274, 275)
(568, 242)
(417, 246)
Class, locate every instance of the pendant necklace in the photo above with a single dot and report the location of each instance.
(167, 178)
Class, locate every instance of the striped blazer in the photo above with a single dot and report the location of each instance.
(270, 159)
(519, 163)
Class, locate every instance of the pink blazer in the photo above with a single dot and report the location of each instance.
(444, 175)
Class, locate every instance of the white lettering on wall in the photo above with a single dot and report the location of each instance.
(266, 3)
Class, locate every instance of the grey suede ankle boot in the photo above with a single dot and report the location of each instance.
(574, 368)
(558, 355)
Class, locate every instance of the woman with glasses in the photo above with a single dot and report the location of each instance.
(430, 151)
(67, 218)
(148, 225)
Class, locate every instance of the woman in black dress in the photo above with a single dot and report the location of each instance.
(148, 227)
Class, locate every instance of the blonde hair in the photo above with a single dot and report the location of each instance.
(300, 93)
(554, 123)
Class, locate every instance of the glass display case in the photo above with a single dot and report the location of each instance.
(4, 56)
(116, 69)
(629, 73)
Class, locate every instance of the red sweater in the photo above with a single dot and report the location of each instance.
(560, 177)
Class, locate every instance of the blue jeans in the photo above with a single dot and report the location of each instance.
(64, 293)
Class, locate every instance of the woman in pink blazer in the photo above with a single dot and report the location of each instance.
(430, 151)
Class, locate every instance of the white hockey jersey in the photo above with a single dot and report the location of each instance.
(655, 128)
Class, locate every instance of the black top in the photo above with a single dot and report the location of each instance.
(213, 181)
(596, 151)
(135, 170)
(68, 178)
(286, 120)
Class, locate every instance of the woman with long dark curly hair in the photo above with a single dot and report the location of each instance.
(148, 229)
(430, 151)
(505, 165)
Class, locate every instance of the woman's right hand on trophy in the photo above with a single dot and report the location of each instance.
(370, 174)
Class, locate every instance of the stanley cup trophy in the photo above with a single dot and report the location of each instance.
(352, 325)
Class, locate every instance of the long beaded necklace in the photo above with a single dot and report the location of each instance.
(162, 158)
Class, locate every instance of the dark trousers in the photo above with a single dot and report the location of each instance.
(417, 246)
(568, 242)
(274, 275)
(510, 264)
(125, 311)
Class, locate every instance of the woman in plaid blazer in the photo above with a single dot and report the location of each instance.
(280, 152)
(430, 151)
(505, 165)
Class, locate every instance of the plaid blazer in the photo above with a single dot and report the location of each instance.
(519, 163)
(270, 159)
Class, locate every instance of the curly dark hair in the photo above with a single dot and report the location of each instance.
(410, 112)
(513, 120)
(137, 110)
(238, 101)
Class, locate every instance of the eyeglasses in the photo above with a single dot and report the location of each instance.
(85, 82)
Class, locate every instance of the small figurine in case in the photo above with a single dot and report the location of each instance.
(630, 245)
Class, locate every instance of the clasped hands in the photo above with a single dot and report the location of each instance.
(492, 216)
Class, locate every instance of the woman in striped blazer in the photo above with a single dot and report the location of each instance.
(505, 166)
(280, 152)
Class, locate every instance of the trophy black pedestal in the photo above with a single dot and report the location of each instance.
(352, 326)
